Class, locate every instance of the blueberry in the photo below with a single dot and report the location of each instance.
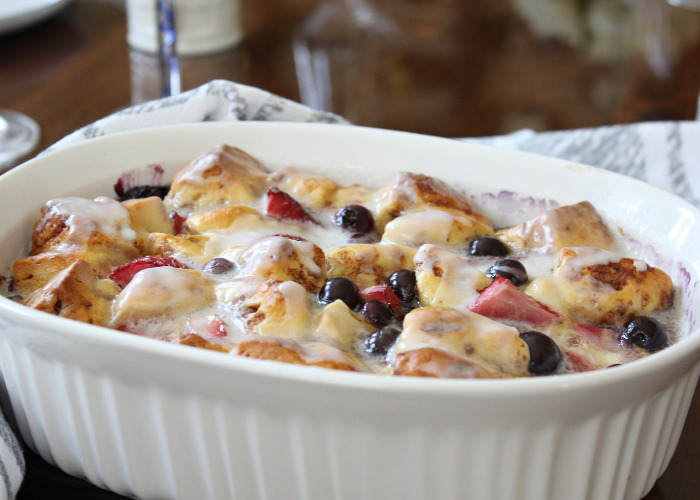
(544, 353)
(339, 289)
(381, 341)
(645, 332)
(218, 265)
(510, 269)
(376, 313)
(360, 239)
(355, 218)
(403, 284)
(488, 245)
(137, 192)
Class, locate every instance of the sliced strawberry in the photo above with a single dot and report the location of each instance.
(178, 221)
(123, 275)
(291, 237)
(503, 300)
(283, 207)
(383, 294)
(211, 326)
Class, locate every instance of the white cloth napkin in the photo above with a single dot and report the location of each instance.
(665, 154)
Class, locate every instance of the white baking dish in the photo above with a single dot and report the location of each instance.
(159, 421)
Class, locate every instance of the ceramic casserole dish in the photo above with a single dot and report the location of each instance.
(154, 420)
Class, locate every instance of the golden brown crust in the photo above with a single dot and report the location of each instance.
(221, 218)
(409, 191)
(75, 294)
(32, 273)
(576, 225)
(610, 294)
(319, 193)
(466, 334)
(289, 351)
(279, 258)
(269, 307)
(170, 245)
(58, 233)
(195, 340)
(431, 362)
(368, 265)
(223, 176)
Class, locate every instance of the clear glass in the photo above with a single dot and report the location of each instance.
(689, 4)
(19, 135)
(342, 55)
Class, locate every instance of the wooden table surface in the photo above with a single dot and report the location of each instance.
(464, 68)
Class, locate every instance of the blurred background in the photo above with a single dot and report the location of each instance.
(452, 68)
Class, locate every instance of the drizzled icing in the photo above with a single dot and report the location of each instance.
(592, 256)
(272, 287)
(271, 253)
(420, 227)
(85, 217)
(445, 279)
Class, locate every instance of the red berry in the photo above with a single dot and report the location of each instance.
(283, 207)
(178, 221)
(123, 275)
(211, 326)
(503, 300)
(291, 237)
(383, 294)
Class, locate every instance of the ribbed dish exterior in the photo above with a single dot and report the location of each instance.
(148, 441)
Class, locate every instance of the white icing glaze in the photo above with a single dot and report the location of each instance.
(84, 217)
(458, 281)
(592, 256)
(418, 228)
(271, 252)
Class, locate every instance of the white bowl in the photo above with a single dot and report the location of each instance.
(160, 421)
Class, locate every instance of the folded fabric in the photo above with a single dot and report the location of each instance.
(218, 100)
(666, 154)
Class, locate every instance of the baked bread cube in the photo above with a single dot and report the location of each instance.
(446, 279)
(435, 227)
(151, 214)
(409, 192)
(319, 193)
(338, 324)
(101, 225)
(283, 259)
(223, 176)
(268, 307)
(288, 351)
(577, 225)
(195, 340)
(431, 362)
(494, 346)
(221, 218)
(162, 294)
(182, 247)
(599, 287)
(75, 293)
(101, 232)
(31, 273)
(368, 265)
